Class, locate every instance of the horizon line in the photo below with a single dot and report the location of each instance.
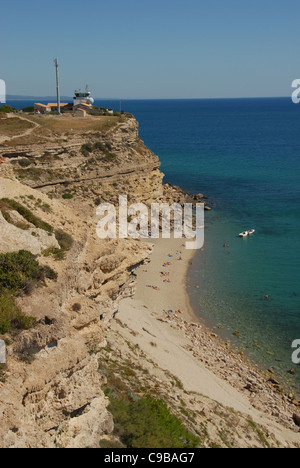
(24, 98)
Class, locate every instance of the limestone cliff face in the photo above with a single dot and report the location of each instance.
(50, 390)
(92, 166)
(50, 395)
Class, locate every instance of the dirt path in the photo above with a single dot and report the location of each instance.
(22, 134)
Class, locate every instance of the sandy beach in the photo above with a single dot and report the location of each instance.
(166, 271)
(160, 322)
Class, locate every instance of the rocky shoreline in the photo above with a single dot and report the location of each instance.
(264, 391)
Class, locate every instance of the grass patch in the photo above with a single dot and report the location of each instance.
(13, 126)
(66, 123)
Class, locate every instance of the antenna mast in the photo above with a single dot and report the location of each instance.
(57, 87)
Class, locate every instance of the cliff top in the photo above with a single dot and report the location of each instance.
(16, 129)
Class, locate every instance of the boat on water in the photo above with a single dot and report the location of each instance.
(247, 233)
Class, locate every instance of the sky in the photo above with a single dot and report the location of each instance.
(142, 49)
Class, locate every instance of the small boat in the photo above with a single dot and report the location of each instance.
(247, 233)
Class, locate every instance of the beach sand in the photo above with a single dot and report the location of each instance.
(171, 258)
(179, 344)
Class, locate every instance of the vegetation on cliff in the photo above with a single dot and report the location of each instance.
(28, 218)
(148, 423)
(7, 204)
(5, 109)
(144, 421)
(20, 272)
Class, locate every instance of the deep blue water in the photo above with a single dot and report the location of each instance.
(244, 154)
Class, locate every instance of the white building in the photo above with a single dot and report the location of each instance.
(82, 98)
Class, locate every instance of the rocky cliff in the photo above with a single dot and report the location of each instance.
(91, 165)
(50, 390)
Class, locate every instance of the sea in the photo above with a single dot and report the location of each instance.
(244, 155)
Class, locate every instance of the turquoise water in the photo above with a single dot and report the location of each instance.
(245, 155)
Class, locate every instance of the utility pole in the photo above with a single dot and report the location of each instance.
(57, 87)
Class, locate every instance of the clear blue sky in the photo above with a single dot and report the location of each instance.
(151, 48)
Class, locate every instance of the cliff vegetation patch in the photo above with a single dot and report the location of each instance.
(65, 241)
(20, 272)
(142, 418)
(148, 423)
(7, 205)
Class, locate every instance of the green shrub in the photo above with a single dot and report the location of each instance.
(27, 215)
(148, 423)
(58, 254)
(19, 271)
(106, 148)
(23, 322)
(5, 210)
(85, 153)
(8, 312)
(6, 109)
(28, 109)
(33, 173)
(86, 149)
(64, 239)
(44, 272)
(65, 243)
(17, 268)
(100, 146)
(67, 196)
(46, 207)
(24, 162)
(11, 316)
(10, 280)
